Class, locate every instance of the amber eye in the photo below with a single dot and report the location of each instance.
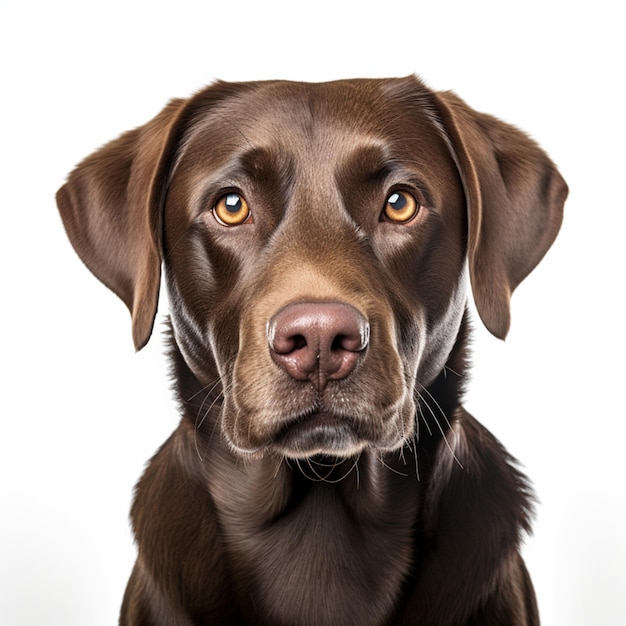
(400, 207)
(231, 210)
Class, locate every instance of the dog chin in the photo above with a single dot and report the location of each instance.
(319, 434)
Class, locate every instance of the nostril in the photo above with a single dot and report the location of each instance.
(282, 343)
(338, 342)
(299, 342)
(345, 342)
(356, 341)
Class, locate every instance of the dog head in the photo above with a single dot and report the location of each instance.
(315, 239)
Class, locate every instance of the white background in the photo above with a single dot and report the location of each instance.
(81, 413)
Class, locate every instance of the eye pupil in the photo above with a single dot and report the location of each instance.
(233, 202)
(397, 202)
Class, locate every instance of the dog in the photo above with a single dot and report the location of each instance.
(319, 243)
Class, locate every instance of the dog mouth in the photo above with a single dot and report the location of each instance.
(318, 433)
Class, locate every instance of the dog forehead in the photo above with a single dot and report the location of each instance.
(310, 107)
(317, 123)
(287, 116)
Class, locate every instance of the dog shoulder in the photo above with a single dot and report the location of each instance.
(478, 505)
(473, 475)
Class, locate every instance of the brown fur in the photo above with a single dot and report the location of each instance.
(341, 483)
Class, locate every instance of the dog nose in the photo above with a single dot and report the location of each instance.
(318, 341)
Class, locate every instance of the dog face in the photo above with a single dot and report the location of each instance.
(315, 240)
(314, 236)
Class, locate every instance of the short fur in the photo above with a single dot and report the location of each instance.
(324, 471)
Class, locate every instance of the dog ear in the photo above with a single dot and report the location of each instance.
(515, 198)
(111, 210)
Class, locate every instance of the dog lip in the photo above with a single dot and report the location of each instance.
(318, 433)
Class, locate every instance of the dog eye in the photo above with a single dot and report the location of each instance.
(232, 210)
(400, 207)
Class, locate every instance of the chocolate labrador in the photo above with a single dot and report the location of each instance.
(317, 241)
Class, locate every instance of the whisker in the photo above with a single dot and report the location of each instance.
(391, 469)
(332, 467)
(441, 430)
(441, 411)
(213, 430)
(421, 413)
(448, 368)
(200, 420)
(212, 385)
(417, 467)
(203, 413)
(280, 462)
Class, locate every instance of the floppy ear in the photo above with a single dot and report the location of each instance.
(111, 207)
(515, 198)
